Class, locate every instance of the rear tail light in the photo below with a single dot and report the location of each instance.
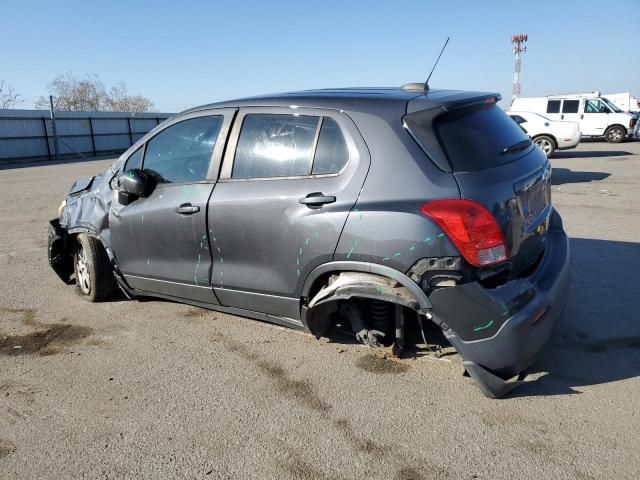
(472, 229)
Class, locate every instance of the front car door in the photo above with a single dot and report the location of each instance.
(289, 180)
(595, 117)
(160, 242)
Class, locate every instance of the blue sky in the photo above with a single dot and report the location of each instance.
(187, 53)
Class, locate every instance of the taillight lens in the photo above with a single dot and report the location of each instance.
(472, 229)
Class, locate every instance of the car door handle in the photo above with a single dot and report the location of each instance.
(317, 199)
(187, 209)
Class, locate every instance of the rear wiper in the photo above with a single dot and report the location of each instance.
(516, 146)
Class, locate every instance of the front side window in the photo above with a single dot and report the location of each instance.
(134, 160)
(570, 106)
(595, 106)
(275, 146)
(181, 152)
(553, 106)
(332, 153)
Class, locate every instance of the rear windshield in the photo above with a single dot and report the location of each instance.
(480, 137)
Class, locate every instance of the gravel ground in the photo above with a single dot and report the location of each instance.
(153, 389)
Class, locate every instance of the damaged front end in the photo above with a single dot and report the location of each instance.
(85, 209)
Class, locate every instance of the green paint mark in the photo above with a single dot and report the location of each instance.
(397, 254)
(298, 270)
(300, 252)
(142, 218)
(306, 241)
(412, 248)
(350, 252)
(361, 217)
(200, 244)
(482, 327)
(297, 261)
(380, 289)
(428, 239)
(386, 258)
(440, 235)
(317, 234)
(214, 239)
(147, 261)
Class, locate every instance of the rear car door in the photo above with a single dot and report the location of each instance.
(570, 110)
(160, 242)
(553, 109)
(289, 179)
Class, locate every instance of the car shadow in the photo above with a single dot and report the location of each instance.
(560, 176)
(590, 154)
(597, 339)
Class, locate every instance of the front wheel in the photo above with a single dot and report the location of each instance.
(546, 144)
(94, 275)
(615, 134)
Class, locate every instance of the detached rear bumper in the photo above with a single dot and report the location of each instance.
(498, 332)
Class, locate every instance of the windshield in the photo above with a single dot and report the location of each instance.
(611, 105)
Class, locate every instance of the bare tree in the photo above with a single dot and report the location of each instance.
(89, 95)
(118, 100)
(8, 96)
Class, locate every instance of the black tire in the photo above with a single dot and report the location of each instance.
(615, 134)
(546, 144)
(94, 274)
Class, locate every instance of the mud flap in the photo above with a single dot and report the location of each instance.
(491, 385)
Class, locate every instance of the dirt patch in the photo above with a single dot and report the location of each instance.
(45, 342)
(6, 448)
(27, 315)
(376, 364)
(193, 313)
(297, 389)
(603, 345)
(48, 339)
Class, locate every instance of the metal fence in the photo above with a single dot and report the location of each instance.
(29, 134)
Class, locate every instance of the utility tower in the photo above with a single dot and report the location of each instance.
(518, 41)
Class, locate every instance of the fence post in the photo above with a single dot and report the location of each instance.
(129, 126)
(53, 123)
(93, 138)
(46, 136)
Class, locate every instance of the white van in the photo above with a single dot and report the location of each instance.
(596, 115)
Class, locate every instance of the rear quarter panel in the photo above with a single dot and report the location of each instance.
(386, 225)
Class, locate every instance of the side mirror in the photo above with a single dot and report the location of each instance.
(134, 184)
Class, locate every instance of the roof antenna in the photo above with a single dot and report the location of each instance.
(426, 84)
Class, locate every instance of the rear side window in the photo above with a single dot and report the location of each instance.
(275, 146)
(518, 119)
(570, 106)
(553, 106)
(181, 152)
(478, 138)
(331, 153)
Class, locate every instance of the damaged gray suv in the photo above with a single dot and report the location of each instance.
(369, 207)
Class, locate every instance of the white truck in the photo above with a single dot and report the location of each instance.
(625, 101)
(595, 114)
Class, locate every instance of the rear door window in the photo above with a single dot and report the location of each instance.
(553, 106)
(570, 106)
(480, 137)
(273, 145)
